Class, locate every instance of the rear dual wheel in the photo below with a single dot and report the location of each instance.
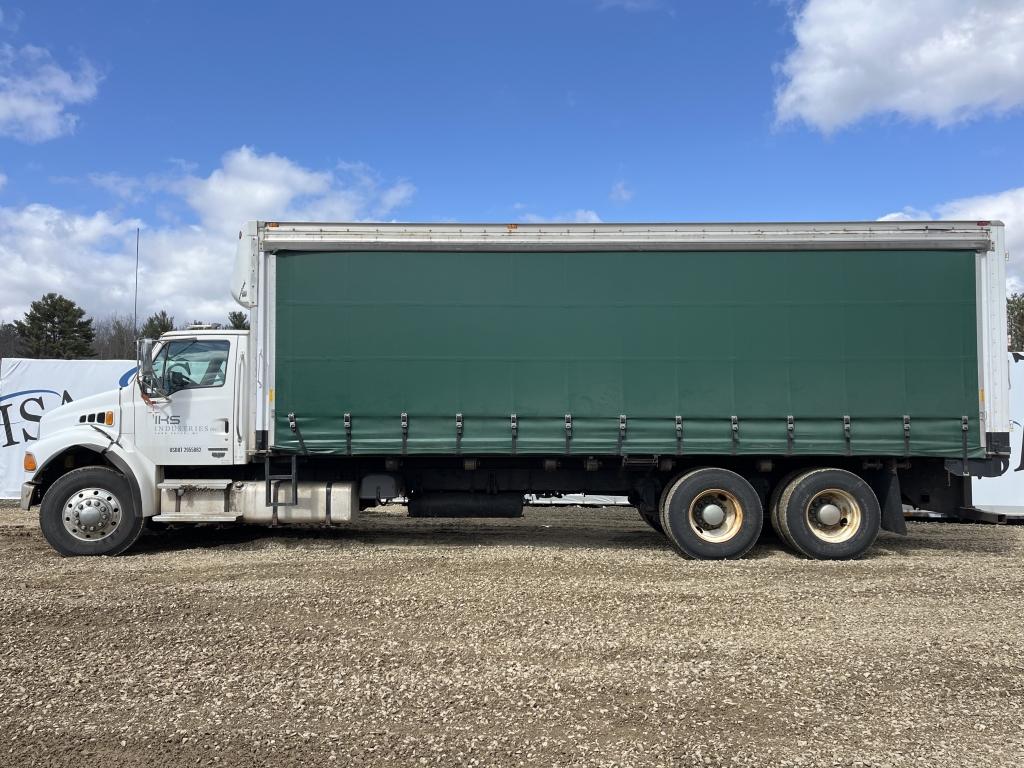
(826, 514)
(711, 514)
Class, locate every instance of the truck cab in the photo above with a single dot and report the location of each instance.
(107, 455)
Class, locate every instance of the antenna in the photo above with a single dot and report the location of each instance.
(135, 317)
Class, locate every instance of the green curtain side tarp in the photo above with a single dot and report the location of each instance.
(704, 336)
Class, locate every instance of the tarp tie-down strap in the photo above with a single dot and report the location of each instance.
(294, 427)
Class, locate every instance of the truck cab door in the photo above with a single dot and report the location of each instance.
(193, 422)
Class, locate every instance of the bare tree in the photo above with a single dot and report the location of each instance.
(115, 338)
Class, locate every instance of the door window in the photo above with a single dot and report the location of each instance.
(191, 364)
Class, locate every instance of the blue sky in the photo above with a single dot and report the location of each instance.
(185, 118)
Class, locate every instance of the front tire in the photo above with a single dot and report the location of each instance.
(90, 511)
(712, 514)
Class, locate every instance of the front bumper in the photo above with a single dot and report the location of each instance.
(28, 492)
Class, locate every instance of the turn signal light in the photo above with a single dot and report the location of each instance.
(29, 462)
(108, 418)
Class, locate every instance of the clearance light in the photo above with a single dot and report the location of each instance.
(29, 462)
(108, 418)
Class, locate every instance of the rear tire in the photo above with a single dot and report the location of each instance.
(712, 514)
(829, 514)
(775, 497)
(90, 511)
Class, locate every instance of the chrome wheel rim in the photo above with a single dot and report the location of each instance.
(91, 514)
(834, 516)
(715, 515)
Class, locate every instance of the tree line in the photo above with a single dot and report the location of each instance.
(55, 327)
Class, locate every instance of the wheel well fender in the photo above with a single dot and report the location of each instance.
(79, 456)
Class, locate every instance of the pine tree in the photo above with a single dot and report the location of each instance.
(156, 325)
(10, 344)
(55, 327)
(238, 321)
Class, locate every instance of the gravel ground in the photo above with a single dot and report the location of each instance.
(568, 637)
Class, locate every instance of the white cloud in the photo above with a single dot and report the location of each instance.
(907, 213)
(3, 180)
(621, 192)
(396, 196)
(1007, 207)
(253, 186)
(938, 60)
(185, 268)
(585, 216)
(579, 216)
(35, 93)
(47, 249)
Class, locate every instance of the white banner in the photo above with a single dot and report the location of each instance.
(29, 388)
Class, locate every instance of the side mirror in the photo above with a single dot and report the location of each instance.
(147, 376)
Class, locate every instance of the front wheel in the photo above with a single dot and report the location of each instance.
(90, 511)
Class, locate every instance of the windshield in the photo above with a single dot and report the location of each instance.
(191, 363)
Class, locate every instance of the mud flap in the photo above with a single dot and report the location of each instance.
(886, 485)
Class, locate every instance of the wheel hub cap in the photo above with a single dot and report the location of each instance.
(91, 514)
(829, 514)
(834, 515)
(713, 515)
